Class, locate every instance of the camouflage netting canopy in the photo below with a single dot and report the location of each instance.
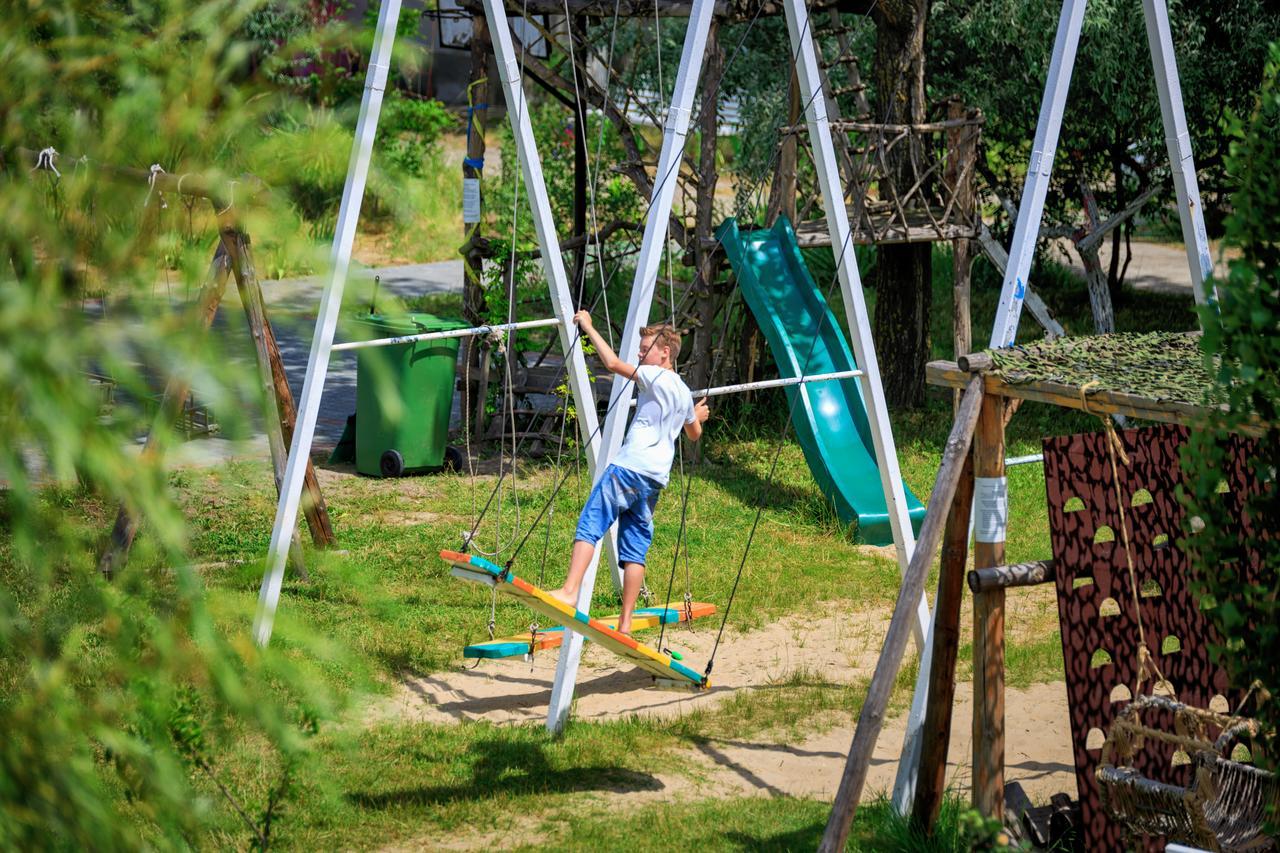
(1163, 366)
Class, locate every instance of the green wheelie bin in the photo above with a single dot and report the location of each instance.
(404, 393)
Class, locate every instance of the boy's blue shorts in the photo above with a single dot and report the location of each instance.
(628, 498)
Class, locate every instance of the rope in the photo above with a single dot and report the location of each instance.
(231, 197)
(44, 161)
(773, 468)
(1146, 663)
(156, 171)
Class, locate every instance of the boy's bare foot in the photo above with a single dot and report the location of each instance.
(563, 597)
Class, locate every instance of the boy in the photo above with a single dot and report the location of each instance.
(628, 490)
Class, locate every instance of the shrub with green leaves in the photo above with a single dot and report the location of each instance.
(1242, 342)
(119, 699)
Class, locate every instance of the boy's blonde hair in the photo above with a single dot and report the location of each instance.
(664, 335)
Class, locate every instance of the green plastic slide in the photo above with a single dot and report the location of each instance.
(830, 417)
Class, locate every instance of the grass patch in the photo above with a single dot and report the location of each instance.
(759, 824)
(397, 783)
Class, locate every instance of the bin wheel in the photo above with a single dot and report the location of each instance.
(391, 464)
(452, 458)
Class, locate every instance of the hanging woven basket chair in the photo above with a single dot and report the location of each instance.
(1225, 805)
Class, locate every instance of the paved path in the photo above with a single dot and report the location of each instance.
(292, 305)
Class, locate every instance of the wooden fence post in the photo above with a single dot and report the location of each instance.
(963, 150)
(275, 382)
(991, 504)
(931, 781)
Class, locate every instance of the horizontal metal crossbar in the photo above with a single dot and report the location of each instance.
(1024, 460)
(451, 333)
(776, 383)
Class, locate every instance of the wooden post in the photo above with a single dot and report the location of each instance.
(961, 163)
(475, 353)
(581, 167)
(871, 719)
(281, 411)
(125, 529)
(473, 307)
(1104, 316)
(241, 255)
(932, 779)
(782, 196)
(991, 503)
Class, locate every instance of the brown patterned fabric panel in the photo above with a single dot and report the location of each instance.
(1100, 633)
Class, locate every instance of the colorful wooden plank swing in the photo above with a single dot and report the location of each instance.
(666, 671)
(551, 638)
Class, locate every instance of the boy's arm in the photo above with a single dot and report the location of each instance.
(608, 357)
(693, 429)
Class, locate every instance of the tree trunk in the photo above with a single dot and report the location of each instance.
(706, 262)
(901, 328)
(903, 272)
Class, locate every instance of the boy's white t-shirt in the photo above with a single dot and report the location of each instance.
(663, 407)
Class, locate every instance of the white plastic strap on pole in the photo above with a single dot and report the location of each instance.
(326, 320)
(991, 509)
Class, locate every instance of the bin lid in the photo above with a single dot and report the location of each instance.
(397, 325)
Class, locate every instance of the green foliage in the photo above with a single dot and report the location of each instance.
(610, 197)
(1242, 345)
(994, 54)
(409, 131)
(118, 700)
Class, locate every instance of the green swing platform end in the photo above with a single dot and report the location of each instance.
(666, 671)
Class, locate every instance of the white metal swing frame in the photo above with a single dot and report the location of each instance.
(604, 442)
(1026, 230)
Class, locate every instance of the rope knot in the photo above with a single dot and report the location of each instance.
(156, 171)
(44, 161)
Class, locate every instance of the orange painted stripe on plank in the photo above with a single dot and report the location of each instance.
(456, 557)
(612, 634)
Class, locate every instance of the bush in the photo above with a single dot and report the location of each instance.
(1242, 344)
(409, 131)
(119, 700)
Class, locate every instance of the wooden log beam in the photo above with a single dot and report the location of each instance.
(871, 719)
(962, 151)
(976, 362)
(1018, 574)
(889, 129)
(947, 374)
(176, 391)
(931, 781)
(991, 502)
(283, 413)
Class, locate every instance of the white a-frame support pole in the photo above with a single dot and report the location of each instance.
(509, 70)
(326, 319)
(1039, 170)
(1177, 140)
(808, 75)
(666, 180)
(331, 301)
